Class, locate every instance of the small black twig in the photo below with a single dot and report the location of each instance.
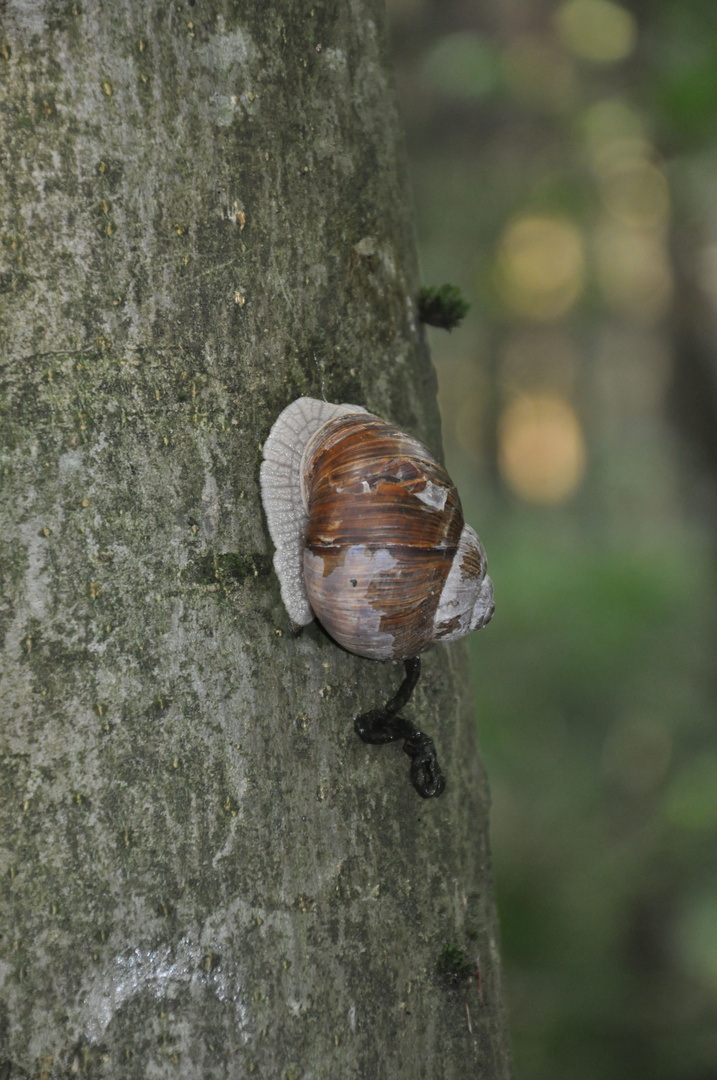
(380, 726)
(442, 306)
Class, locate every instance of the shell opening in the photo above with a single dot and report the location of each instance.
(467, 599)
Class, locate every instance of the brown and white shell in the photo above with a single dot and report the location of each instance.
(369, 533)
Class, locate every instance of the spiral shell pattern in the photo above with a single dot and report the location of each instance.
(381, 553)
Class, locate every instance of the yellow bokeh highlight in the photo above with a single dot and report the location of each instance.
(636, 192)
(632, 263)
(633, 271)
(597, 30)
(609, 119)
(613, 132)
(541, 450)
(541, 267)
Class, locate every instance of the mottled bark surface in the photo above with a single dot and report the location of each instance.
(204, 872)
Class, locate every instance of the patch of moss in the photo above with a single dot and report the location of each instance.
(442, 306)
(454, 964)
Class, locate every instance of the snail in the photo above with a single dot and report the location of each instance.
(370, 540)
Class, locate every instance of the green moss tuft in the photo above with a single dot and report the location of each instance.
(454, 964)
(442, 306)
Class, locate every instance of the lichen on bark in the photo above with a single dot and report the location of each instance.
(205, 874)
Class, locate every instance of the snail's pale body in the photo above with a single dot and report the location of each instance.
(369, 533)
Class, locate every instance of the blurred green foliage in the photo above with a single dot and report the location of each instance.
(597, 730)
(463, 66)
(572, 200)
(680, 77)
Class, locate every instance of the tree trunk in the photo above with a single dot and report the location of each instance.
(204, 872)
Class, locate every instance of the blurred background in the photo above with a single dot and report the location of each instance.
(564, 171)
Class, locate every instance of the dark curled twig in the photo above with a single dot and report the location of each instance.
(386, 725)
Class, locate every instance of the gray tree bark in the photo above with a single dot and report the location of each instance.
(204, 872)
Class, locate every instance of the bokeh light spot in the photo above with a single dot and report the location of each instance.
(633, 271)
(612, 132)
(462, 65)
(541, 267)
(541, 450)
(597, 30)
(636, 192)
(610, 119)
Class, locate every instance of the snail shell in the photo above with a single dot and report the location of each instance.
(369, 533)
